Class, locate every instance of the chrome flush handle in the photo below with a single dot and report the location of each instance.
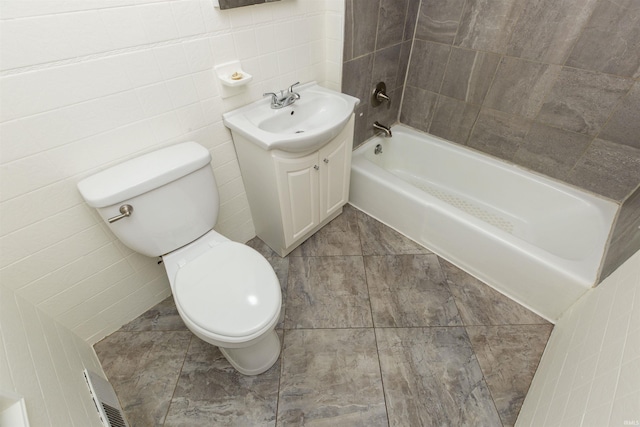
(125, 211)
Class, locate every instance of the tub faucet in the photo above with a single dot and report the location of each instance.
(383, 128)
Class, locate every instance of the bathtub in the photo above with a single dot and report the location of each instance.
(535, 240)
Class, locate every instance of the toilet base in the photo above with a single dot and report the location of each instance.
(256, 358)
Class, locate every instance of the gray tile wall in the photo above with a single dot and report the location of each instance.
(550, 85)
(377, 43)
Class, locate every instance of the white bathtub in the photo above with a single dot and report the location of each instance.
(534, 239)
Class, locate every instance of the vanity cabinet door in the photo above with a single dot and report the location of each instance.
(298, 191)
(335, 173)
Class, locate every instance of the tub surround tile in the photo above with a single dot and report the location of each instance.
(143, 368)
(562, 22)
(403, 64)
(469, 74)
(391, 21)
(418, 106)
(364, 23)
(625, 239)
(347, 50)
(356, 80)
(428, 63)
(478, 304)
(438, 20)
(582, 101)
(327, 292)
(606, 42)
(453, 119)
(508, 357)
(331, 377)
(551, 151)
(162, 317)
(520, 86)
(487, 24)
(339, 237)
(432, 378)
(624, 126)
(408, 291)
(499, 134)
(387, 66)
(608, 169)
(211, 392)
(412, 19)
(378, 239)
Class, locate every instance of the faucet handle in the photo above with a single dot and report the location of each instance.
(291, 87)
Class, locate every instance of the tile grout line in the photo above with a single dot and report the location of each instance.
(373, 323)
(175, 387)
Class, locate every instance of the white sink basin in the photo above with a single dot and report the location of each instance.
(304, 126)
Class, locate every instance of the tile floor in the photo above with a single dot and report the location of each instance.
(376, 331)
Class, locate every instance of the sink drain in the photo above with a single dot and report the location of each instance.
(299, 131)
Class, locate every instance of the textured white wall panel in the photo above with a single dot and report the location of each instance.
(87, 84)
(43, 362)
(589, 374)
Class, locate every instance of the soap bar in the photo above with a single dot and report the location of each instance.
(236, 76)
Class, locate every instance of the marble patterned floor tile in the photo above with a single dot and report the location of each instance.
(162, 317)
(143, 368)
(260, 246)
(210, 392)
(409, 290)
(378, 239)
(509, 357)
(431, 378)
(479, 304)
(339, 237)
(327, 292)
(331, 378)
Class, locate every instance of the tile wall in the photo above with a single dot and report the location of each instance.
(590, 370)
(377, 44)
(42, 361)
(86, 85)
(551, 86)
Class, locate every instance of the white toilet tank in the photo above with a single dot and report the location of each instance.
(173, 194)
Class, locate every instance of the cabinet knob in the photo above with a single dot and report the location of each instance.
(316, 167)
(326, 160)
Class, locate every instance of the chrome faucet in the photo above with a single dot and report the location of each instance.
(383, 128)
(285, 98)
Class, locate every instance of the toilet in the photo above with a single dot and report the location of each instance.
(165, 203)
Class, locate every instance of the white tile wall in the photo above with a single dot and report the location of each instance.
(589, 374)
(42, 361)
(86, 84)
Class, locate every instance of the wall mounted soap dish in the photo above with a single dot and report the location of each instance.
(231, 74)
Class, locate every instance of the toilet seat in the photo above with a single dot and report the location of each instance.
(230, 290)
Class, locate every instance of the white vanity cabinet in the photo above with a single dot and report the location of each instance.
(293, 195)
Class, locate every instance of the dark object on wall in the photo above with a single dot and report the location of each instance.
(229, 4)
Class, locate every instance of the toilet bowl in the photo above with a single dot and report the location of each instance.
(228, 295)
(165, 203)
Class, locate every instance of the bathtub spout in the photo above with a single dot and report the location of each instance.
(383, 128)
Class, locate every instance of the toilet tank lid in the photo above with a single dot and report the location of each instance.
(144, 173)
